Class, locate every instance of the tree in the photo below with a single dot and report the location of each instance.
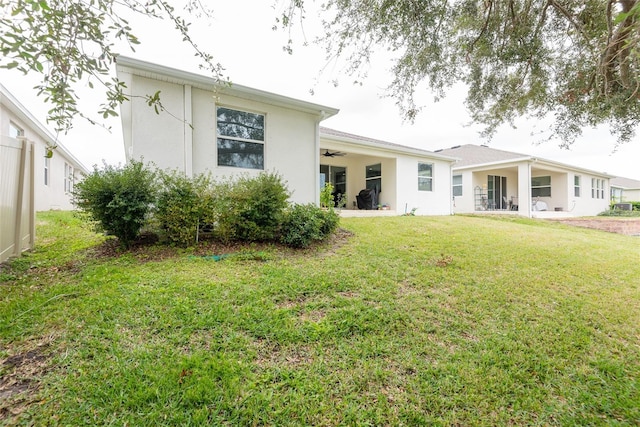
(575, 61)
(74, 41)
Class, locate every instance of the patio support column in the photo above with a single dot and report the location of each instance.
(524, 189)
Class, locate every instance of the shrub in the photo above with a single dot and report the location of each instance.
(330, 221)
(326, 196)
(620, 213)
(184, 205)
(117, 198)
(252, 207)
(304, 224)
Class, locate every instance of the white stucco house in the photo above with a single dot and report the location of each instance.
(624, 190)
(495, 181)
(225, 130)
(54, 176)
(32, 177)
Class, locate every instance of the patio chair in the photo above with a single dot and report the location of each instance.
(513, 203)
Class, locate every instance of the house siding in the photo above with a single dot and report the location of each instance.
(435, 202)
(183, 137)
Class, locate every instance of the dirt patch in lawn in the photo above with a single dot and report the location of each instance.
(147, 248)
(21, 373)
(627, 226)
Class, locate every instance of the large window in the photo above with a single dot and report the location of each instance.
(597, 188)
(576, 185)
(457, 185)
(240, 139)
(425, 176)
(374, 177)
(541, 186)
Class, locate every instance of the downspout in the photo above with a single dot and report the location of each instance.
(188, 131)
(316, 157)
(452, 198)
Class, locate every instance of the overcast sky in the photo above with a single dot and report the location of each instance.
(241, 38)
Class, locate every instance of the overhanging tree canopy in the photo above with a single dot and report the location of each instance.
(576, 61)
(73, 41)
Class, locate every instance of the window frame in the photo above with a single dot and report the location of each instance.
(68, 178)
(540, 187)
(15, 129)
(47, 170)
(577, 190)
(455, 186)
(374, 181)
(597, 188)
(425, 179)
(224, 138)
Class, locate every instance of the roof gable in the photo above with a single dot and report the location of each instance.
(173, 75)
(12, 104)
(470, 154)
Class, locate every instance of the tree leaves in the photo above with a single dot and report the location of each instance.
(576, 62)
(70, 42)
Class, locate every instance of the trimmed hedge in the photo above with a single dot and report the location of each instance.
(245, 209)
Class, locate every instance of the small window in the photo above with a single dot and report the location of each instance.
(541, 186)
(373, 175)
(47, 167)
(15, 131)
(240, 139)
(457, 185)
(597, 188)
(68, 178)
(576, 185)
(425, 176)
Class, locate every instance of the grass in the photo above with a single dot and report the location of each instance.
(410, 321)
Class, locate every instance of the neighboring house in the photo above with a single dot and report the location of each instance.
(30, 180)
(54, 176)
(403, 178)
(625, 190)
(226, 130)
(491, 180)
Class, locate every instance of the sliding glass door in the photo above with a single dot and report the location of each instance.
(497, 192)
(337, 176)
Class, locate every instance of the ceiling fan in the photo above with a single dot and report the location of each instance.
(328, 153)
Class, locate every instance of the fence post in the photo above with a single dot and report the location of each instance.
(32, 196)
(17, 240)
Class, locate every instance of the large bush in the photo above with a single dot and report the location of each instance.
(118, 198)
(304, 224)
(184, 206)
(252, 207)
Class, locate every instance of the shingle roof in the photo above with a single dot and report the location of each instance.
(627, 183)
(471, 154)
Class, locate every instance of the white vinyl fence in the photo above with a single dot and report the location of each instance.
(17, 209)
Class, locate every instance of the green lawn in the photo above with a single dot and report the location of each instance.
(411, 321)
